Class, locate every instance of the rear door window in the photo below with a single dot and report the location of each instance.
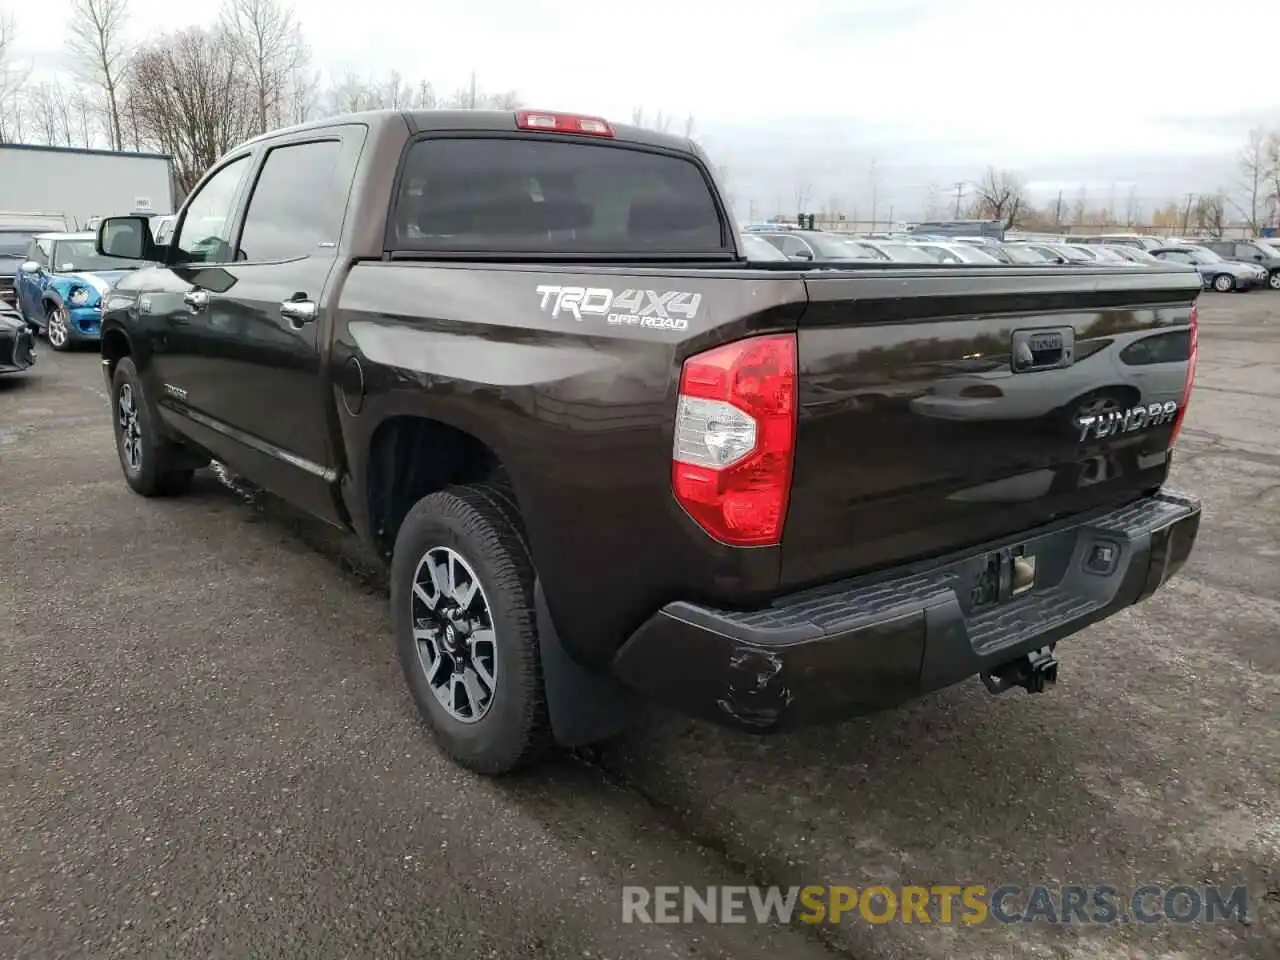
(517, 194)
(297, 204)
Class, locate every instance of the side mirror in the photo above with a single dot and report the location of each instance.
(1258, 257)
(31, 268)
(802, 255)
(125, 238)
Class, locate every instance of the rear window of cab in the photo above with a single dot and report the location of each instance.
(543, 196)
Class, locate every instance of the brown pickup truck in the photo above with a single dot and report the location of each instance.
(607, 457)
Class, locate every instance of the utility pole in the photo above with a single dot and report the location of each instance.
(1186, 213)
(959, 195)
(1057, 211)
(874, 195)
(473, 89)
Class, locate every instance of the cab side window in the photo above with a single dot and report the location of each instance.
(205, 233)
(41, 251)
(297, 204)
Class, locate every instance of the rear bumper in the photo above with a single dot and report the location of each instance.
(866, 644)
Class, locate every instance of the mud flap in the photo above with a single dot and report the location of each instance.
(585, 706)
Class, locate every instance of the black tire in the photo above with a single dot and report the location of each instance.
(1224, 283)
(159, 471)
(480, 524)
(1274, 280)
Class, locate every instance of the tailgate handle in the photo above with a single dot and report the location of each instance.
(1049, 348)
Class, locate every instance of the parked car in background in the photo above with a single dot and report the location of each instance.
(899, 252)
(16, 233)
(1251, 252)
(1100, 253)
(1139, 240)
(1216, 273)
(758, 248)
(1024, 254)
(817, 246)
(17, 348)
(956, 252)
(1059, 253)
(1133, 254)
(61, 285)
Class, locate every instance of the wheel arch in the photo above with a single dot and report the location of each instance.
(412, 453)
(115, 346)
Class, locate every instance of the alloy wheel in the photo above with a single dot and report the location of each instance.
(57, 330)
(130, 429)
(453, 632)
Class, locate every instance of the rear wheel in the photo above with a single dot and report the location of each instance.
(1224, 283)
(153, 466)
(462, 604)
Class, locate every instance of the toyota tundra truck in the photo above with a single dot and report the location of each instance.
(607, 458)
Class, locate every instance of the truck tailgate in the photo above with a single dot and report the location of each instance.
(938, 411)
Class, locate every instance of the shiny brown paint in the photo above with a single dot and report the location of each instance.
(579, 414)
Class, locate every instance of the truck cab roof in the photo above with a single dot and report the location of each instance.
(423, 121)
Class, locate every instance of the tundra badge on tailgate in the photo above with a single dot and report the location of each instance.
(658, 310)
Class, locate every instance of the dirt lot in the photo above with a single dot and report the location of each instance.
(206, 749)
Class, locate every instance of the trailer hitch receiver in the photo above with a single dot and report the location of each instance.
(1033, 672)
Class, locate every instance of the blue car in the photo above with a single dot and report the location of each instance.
(61, 285)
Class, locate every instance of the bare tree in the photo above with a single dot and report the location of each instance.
(688, 127)
(97, 40)
(12, 79)
(1273, 175)
(191, 100)
(1253, 163)
(1209, 213)
(802, 192)
(302, 95)
(269, 47)
(1000, 197)
(50, 113)
(82, 117)
(425, 96)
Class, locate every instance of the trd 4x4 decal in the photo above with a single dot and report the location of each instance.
(658, 310)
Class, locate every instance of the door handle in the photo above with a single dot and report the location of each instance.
(197, 300)
(298, 312)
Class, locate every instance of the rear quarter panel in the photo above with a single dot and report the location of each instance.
(580, 412)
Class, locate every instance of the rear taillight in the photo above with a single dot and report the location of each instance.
(1193, 351)
(735, 439)
(553, 122)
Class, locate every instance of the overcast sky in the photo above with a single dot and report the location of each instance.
(1151, 97)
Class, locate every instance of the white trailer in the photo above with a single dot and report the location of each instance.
(81, 184)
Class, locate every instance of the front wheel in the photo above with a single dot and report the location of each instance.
(1224, 283)
(465, 630)
(58, 328)
(151, 464)
(1274, 280)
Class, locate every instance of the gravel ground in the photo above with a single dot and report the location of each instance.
(206, 749)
